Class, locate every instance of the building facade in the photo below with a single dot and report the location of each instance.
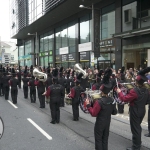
(104, 33)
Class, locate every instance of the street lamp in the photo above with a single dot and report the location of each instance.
(36, 49)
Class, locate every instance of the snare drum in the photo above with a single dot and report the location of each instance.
(125, 88)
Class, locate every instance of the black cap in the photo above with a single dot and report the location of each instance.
(106, 85)
(55, 75)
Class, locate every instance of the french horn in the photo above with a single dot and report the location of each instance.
(39, 75)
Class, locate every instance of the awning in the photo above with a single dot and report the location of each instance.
(132, 33)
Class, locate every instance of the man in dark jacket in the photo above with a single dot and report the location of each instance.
(55, 92)
(138, 97)
(75, 94)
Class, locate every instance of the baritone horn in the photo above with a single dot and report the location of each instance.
(78, 68)
(39, 75)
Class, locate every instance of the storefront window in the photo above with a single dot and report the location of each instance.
(136, 55)
(84, 29)
(41, 61)
(21, 50)
(46, 60)
(107, 25)
(28, 47)
(71, 34)
(51, 41)
(64, 36)
(45, 42)
(58, 39)
(41, 43)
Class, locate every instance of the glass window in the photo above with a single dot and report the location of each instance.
(71, 34)
(41, 61)
(58, 39)
(21, 50)
(84, 29)
(107, 27)
(50, 59)
(46, 61)
(51, 41)
(41, 43)
(64, 36)
(28, 47)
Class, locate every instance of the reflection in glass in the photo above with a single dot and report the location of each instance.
(58, 40)
(64, 37)
(84, 29)
(71, 34)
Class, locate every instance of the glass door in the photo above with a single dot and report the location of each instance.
(104, 64)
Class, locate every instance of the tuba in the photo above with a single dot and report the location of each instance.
(39, 75)
(78, 69)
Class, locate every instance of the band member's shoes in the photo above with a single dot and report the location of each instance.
(57, 121)
(75, 119)
(40, 107)
(53, 122)
(147, 135)
(129, 148)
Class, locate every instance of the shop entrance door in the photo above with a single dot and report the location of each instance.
(104, 64)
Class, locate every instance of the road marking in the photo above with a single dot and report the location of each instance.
(40, 129)
(12, 104)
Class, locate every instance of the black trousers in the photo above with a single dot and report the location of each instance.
(68, 90)
(120, 109)
(149, 118)
(19, 83)
(101, 133)
(136, 117)
(62, 103)
(25, 91)
(55, 111)
(33, 95)
(1, 89)
(14, 93)
(41, 98)
(75, 110)
(6, 92)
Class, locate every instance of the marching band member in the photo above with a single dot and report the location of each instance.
(14, 89)
(62, 82)
(75, 93)
(96, 86)
(1, 81)
(19, 77)
(31, 83)
(138, 97)
(55, 92)
(6, 84)
(68, 80)
(25, 85)
(148, 134)
(102, 109)
(41, 89)
(49, 79)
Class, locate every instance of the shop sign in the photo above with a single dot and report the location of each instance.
(84, 56)
(85, 47)
(58, 58)
(64, 58)
(43, 54)
(72, 57)
(63, 50)
(107, 43)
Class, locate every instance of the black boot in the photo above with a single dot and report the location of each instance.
(147, 135)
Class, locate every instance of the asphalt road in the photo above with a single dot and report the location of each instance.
(27, 127)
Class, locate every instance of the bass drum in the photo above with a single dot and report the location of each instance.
(82, 99)
(124, 87)
(1, 127)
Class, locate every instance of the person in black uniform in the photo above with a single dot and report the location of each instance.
(138, 97)
(68, 80)
(14, 89)
(49, 79)
(148, 134)
(32, 89)
(25, 86)
(62, 82)
(122, 80)
(6, 84)
(96, 86)
(75, 94)
(55, 92)
(102, 109)
(41, 89)
(19, 77)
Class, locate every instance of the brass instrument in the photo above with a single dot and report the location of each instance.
(78, 69)
(40, 75)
